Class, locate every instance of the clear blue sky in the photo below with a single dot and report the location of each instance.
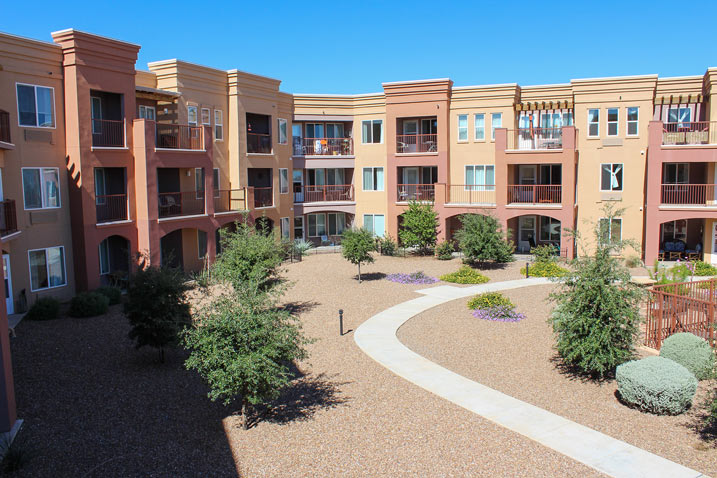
(353, 46)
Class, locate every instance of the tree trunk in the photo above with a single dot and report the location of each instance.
(359, 266)
(244, 414)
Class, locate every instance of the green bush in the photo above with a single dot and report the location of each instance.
(481, 239)
(88, 304)
(465, 275)
(544, 253)
(444, 251)
(45, 308)
(545, 269)
(419, 226)
(488, 300)
(704, 269)
(633, 261)
(690, 351)
(656, 385)
(388, 246)
(114, 294)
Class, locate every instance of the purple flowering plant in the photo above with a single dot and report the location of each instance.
(412, 278)
(499, 313)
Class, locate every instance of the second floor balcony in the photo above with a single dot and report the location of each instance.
(689, 133)
(324, 193)
(230, 200)
(415, 192)
(416, 143)
(263, 197)
(179, 137)
(690, 195)
(8, 217)
(108, 133)
(471, 194)
(111, 208)
(535, 194)
(187, 203)
(323, 146)
(258, 143)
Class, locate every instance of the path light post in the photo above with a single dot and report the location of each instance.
(527, 270)
(341, 322)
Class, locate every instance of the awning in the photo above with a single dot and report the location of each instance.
(679, 99)
(544, 105)
(148, 93)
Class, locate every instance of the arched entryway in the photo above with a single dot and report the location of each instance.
(264, 225)
(115, 260)
(531, 230)
(685, 239)
(184, 249)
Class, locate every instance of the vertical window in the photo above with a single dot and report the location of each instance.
(612, 121)
(147, 112)
(337, 223)
(373, 179)
(594, 123)
(96, 103)
(201, 244)
(632, 120)
(100, 186)
(680, 116)
(610, 231)
(206, 116)
(374, 223)
(283, 181)
(549, 229)
(480, 177)
(199, 182)
(479, 127)
(192, 115)
(371, 131)
(215, 183)
(462, 127)
(283, 136)
(41, 188)
(218, 125)
(284, 227)
(317, 225)
(676, 173)
(611, 177)
(47, 268)
(35, 106)
(496, 121)
(104, 257)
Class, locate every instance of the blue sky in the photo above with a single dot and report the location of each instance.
(353, 46)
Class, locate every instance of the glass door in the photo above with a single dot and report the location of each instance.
(298, 227)
(298, 180)
(526, 233)
(9, 303)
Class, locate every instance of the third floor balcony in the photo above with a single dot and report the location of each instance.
(689, 133)
(324, 193)
(534, 139)
(417, 135)
(179, 137)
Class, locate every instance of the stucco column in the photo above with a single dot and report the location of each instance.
(654, 191)
(439, 206)
(501, 173)
(8, 412)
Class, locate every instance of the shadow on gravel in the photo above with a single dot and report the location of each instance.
(371, 276)
(489, 266)
(698, 424)
(575, 374)
(298, 308)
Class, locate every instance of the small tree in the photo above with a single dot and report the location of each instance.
(156, 307)
(419, 227)
(597, 314)
(481, 239)
(356, 247)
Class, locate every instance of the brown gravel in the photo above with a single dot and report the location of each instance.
(518, 359)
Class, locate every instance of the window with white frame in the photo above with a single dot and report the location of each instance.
(283, 181)
(676, 173)
(192, 115)
(216, 182)
(610, 230)
(611, 177)
(47, 268)
(633, 120)
(284, 228)
(41, 188)
(462, 127)
(680, 116)
(201, 244)
(496, 121)
(549, 229)
(35, 106)
(218, 125)
(613, 121)
(317, 225)
(373, 179)
(206, 116)
(283, 133)
(375, 223)
(480, 177)
(479, 124)
(147, 112)
(337, 223)
(593, 123)
(372, 131)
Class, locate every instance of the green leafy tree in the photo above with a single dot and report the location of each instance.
(596, 319)
(156, 307)
(481, 239)
(419, 226)
(357, 246)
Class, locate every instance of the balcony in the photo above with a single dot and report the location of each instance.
(534, 139)
(188, 203)
(230, 200)
(263, 197)
(535, 194)
(8, 218)
(111, 208)
(470, 194)
(695, 195)
(108, 133)
(689, 134)
(415, 192)
(5, 127)
(323, 146)
(324, 193)
(258, 143)
(180, 137)
(416, 143)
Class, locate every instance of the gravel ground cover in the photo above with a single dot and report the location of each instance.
(518, 359)
(95, 407)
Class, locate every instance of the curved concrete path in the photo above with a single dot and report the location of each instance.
(377, 338)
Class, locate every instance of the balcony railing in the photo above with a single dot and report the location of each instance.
(180, 136)
(324, 193)
(227, 200)
(699, 132)
(471, 194)
(323, 146)
(5, 127)
(258, 143)
(111, 207)
(263, 197)
(108, 133)
(535, 139)
(416, 143)
(8, 218)
(415, 192)
(534, 193)
(689, 194)
(189, 203)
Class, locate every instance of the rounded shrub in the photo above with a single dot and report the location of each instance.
(114, 294)
(656, 385)
(704, 269)
(46, 308)
(545, 269)
(444, 251)
(690, 351)
(88, 304)
(488, 300)
(465, 275)
(388, 246)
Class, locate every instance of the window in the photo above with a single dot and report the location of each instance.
(676, 173)
(594, 123)
(462, 127)
(104, 257)
(632, 120)
(35, 106)
(612, 121)
(496, 121)
(283, 181)
(337, 223)
(317, 225)
(147, 112)
(375, 223)
(192, 115)
(283, 137)
(679, 115)
(284, 227)
(371, 131)
(206, 116)
(674, 231)
(549, 229)
(479, 127)
(41, 187)
(216, 183)
(218, 125)
(199, 182)
(96, 114)
(611, 177)
(201, 244)
(100, 186)
(47, 268)
(610, 231)
(373, 179)
(480, 178)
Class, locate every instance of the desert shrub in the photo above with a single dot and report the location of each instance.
(633, 261)
(465, 275)
(704, 269)
(45, 308)
(444, 251)
(388, 246)
(412, 278)
(690, 351)
(88, 304)
(487, 300)
(545, 269)
(481, 239)
(656, 385)
(419, 226)
(114, 294)
(544, 253)
(301, 247)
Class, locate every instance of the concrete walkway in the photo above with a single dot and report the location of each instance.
(377, 338)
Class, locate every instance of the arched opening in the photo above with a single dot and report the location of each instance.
(323, 228)
(531, 230)
(184, 249)
(683, 239)
(454, 224)
(114, 261)
(220, 231)
(264, 225)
